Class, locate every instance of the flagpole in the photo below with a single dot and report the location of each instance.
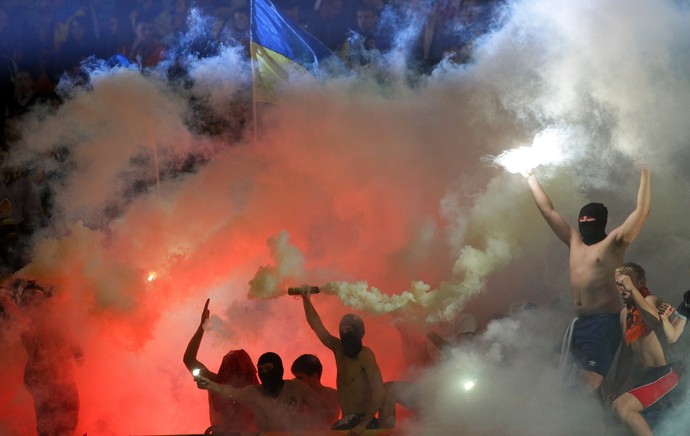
(252, 12)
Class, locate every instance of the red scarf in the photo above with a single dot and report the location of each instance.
(635, 327)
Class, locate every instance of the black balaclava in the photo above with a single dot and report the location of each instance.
(593, 231)
(271, 381)
(352, 340)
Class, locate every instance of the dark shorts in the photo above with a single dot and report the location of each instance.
(350, 421)
(595, 341)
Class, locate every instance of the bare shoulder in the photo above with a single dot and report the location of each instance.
(367, 358)
(252, 391)
(366, 353)
(293, 384)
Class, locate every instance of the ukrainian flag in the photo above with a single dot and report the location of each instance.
(278, 47)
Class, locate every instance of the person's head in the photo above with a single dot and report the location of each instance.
(241, 19)
(637, 276)
(367, 17)
(469, 10)
(145, 28)
(307, 368)
(23, 82)
(270, 367)
(78, 28)
(237, 370)
(351, 330)
(289, 8)
(592, 223)
(331, 9)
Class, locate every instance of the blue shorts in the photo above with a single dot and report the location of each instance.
(595, 341)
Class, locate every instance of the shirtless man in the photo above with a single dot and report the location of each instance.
(279, 405)
(638, 320)
(307, 368)
(51, 355)
(594, 255)
(359, 381)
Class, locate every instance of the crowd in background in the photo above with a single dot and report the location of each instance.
(40, 40)
(44, 43)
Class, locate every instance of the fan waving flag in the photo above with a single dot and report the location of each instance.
(279, 46)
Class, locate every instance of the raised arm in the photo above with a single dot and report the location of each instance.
(632, 226)
(371, 368)
(189, 359)
(553, 218)
(316, 324)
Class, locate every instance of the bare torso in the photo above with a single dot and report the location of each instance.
(591, 276)
(229, 416)
(330, 398)
(354, 390)
(282, 413)
(648, 351)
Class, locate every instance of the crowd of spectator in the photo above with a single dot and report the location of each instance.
(40, 40)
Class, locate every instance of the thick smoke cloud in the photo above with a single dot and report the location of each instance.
(380, 192)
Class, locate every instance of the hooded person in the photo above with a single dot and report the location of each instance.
(271, 373)
(593, 337)
(279, 405)
(236, 370)
(359, 381)
(351, 330)
(592, 223)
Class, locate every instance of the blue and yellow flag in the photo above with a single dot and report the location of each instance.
(279, 46)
